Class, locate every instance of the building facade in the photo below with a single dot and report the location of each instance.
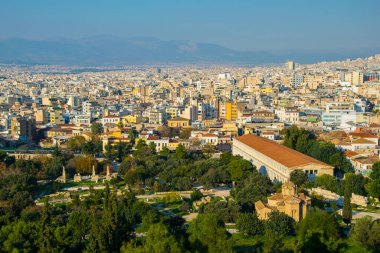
(275, 160)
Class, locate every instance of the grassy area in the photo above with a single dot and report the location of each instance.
(353, 247)
(82, 183)
(251, 244)
(367, 209)
(246, 244)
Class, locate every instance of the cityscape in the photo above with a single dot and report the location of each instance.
(128, 143)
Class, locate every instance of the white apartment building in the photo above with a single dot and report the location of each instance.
(289, 115)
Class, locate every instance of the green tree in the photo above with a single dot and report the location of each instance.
(109, 153)
(105, 235)
(142, 150)
(150, 218)
(239, 169)
(196, 195)
(185, 133)
(132, 135)
(373, 188)
(19, 201)
(279, 223)
(47, 237)
(298, 177)
(375, 174)
(158, 239)
(347, 208)
(255, 187)
(152, 148)
(180, 152)
(327, 182)
(208, 234)
(273, 242)
(72, 236)
(249, 224)
(358, 182)
(56, 151)
(367, 233)
(120, 125)
(96, 128)
(19, 236)
(227, 211)
(165, 152)
(318, 232)
(75, 143)
(6, 159)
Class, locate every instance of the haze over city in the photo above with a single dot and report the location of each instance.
(309, 30)
(205, 126)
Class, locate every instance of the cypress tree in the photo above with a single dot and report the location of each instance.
(347, 208)
(47, 239)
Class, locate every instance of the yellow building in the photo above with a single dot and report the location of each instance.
(209, 122)
(266, 90)
(173, 112)
(288, 201)
(129, 119)
(231, 111)
(173, 144)
(178, 122)
(56, 117)
(229, 127)
(57, 131)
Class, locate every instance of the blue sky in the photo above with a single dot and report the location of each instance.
(266, 25)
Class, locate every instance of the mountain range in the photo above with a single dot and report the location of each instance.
(112, 50)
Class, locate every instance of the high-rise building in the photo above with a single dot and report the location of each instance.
(231, 110)
(190, 113)
(42, 116)
(56, 117)
(23, 129)
(357, 78)
(86, 107)
(291, 65)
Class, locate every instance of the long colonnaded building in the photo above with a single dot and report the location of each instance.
(275, 160)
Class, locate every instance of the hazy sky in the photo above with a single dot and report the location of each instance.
(270, 25)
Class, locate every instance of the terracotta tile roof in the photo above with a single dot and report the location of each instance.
(366, 160)
(277, 196)
(261, 205)
(303, 196)
(280, 153)
(362, 141)
(209, 135)
(374, 125)
(292, 199)
(363, 135)
(350, 153)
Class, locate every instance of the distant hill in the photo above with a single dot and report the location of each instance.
(110, 50)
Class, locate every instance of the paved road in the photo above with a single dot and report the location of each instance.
(359, 214)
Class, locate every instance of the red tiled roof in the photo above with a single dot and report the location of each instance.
(363, 135)
(209, 135)
(280, 153)
(350, 153)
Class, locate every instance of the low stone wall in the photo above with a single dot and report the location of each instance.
(333, 197)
